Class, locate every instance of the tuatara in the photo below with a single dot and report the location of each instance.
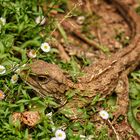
(104, 77)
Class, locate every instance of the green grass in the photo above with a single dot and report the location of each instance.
(19, 34)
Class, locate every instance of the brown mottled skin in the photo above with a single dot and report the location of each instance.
(104, 77)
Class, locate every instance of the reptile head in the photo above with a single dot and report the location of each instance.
(42, 68)
(46, 79)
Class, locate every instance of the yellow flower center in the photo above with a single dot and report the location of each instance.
(33, 52)
(46, 47)
(1, 94)
(14, 77)
(60, 135)
(103, 114)
(1, 70)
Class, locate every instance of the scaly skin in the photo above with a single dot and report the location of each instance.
(102, 77)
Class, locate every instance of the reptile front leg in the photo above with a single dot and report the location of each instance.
(122, 90)
(72, 109)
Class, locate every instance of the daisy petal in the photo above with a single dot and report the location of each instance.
(53, 138)
(2, 69)
(40, 20)
(2, 21)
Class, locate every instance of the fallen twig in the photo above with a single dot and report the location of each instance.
(64, 56)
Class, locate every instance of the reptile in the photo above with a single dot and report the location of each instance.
(104, 77)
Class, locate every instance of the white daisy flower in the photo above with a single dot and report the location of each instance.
(40, 20)
(45, 47)
(80, 20)
(2, 69)
(14, 78)
(60, 134)
(2, 21)
(32, 54)
(104, 114)
(53, 138)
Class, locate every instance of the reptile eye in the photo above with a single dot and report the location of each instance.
(43, 79)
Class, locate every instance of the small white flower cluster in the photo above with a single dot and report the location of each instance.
(45, 47)
(59, 135)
